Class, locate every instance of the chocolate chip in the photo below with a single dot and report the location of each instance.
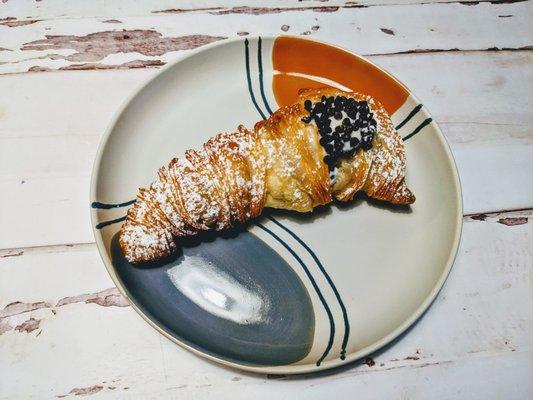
(319, 108)
(339, 101)
(344, 141)
(367, 142)
(321, 123)
(348, 153)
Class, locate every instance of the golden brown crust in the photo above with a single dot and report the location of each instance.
(279, 164)
(296, 177)
(379, 172)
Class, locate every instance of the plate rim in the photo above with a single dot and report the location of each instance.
(289, 369)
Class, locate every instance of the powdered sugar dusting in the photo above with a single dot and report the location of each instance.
(214, 188)
(235, 175)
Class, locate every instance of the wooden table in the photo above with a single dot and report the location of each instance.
(66, 66)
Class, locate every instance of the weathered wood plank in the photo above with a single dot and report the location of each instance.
(49, 9)
(155, 39)
(63, 324)
(481, 100)
(475, 335)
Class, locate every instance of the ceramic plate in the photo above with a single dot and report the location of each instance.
(288, 293)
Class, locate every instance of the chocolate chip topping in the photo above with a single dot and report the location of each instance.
(344, 125)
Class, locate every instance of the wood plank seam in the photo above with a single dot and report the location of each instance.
(156, 63)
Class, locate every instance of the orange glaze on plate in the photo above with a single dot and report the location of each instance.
(300, 63)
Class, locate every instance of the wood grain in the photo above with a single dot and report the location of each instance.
(50, 9)
(155, 39)
(66, 66)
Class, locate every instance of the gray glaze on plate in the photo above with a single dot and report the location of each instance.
(232, 297)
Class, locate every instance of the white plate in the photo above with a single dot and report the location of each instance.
(267, 315)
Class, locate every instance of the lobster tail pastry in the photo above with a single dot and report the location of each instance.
(328, 144)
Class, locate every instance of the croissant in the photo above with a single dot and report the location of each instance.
(328, 144)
